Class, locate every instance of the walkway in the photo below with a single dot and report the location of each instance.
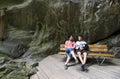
(52, 67)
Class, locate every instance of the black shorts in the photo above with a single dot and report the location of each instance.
(82, 51)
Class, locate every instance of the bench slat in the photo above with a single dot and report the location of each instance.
(97, 45)
(94, 50)
(93, 54)
(62, 45)
(101, 54)
(99, 50)
(90, 46)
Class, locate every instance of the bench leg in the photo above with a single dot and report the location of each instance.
(100, 62)
(98, 59)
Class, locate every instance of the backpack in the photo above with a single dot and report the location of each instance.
(86, 47)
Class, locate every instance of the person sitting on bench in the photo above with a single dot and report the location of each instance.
(81, 49)
(69, 49)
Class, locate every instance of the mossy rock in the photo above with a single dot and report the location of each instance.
(15, 75)
(8, 3)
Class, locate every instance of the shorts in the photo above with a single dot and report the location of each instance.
(82, 51)
(68, 51)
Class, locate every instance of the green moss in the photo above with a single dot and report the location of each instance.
(15, 75)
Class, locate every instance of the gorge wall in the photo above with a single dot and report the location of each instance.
(49, 22)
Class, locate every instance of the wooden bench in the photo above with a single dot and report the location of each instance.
(99, 52)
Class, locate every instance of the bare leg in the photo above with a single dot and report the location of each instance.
(80, 57)
(84, 57)
(68, 59)
(73, 54)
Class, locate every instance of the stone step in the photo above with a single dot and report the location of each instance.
(41, 74)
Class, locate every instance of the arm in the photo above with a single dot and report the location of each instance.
(84, 45)
(77, 45)
(73, 45)
(81, 48)
(66, 44)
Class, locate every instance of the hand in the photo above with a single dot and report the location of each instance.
(81, 48)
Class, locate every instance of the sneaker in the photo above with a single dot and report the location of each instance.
(85, 66)
(82, 68)
(66, 67)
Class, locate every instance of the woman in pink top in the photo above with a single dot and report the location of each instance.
(70, 46)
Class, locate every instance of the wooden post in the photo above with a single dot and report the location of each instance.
(1, 24)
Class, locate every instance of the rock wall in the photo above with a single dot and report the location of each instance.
(51, 21)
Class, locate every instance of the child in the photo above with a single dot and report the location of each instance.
(81, 49)
(70, 46)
